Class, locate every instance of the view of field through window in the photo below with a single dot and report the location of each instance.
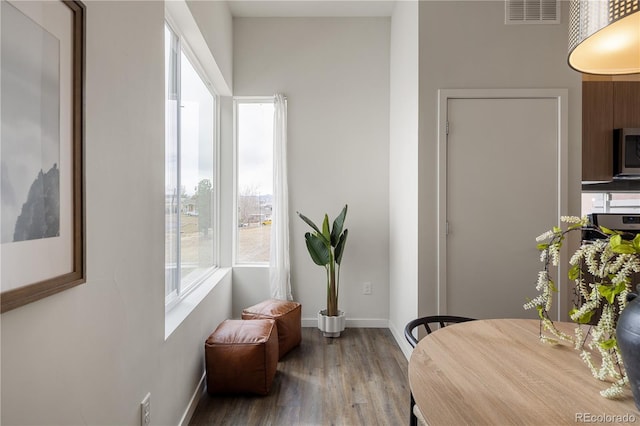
(189, 172)
(254, 145)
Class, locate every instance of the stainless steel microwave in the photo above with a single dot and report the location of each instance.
(626, 153)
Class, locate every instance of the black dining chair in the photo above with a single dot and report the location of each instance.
(430, 324)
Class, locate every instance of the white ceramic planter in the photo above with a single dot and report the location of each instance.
(331, 326)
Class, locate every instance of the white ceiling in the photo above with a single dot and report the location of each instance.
(310, 8)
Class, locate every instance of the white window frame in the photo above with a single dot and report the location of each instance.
(604, 202)
(188, 284)
(237, 100)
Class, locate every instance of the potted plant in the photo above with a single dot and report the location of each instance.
(602, 271)
(326, 248)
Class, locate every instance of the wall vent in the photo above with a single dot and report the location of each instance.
(532, 12)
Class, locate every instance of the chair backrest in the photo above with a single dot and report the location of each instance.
(427, 322)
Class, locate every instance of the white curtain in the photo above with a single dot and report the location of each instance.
(279, 269)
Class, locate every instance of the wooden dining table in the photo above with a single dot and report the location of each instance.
(498, 372)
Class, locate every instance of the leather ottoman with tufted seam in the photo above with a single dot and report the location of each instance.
(241, 357)
(288, 317)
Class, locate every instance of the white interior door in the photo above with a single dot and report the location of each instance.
(502, 179)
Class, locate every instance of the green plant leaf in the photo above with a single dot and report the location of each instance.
(584, 319)
(574, 272)
(607, 230)
(608, 344)
(309, 222)
(338, 224)
(636, 243)
(621, 246)
(575, 226)
(557, 230)
(540, 310)
(340, 246)
(615, 240)
(318, 250)
(326, 233)
(622, 285)
(610, 292)
(542, 246)
(315, 228)
(606, 292)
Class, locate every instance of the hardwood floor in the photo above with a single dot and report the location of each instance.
(359, 378)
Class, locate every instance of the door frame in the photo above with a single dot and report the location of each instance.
(562, 98)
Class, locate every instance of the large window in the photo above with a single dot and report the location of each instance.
(190, 188)
(254, 179)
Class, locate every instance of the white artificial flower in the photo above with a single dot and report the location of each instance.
(545, 236)
(605, 268)
(572, 219)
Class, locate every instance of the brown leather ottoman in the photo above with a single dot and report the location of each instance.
(288, 316)
(242, 357)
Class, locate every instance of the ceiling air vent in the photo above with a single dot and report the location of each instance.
(532, 12)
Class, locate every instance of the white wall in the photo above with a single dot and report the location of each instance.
(335, 74)
(216, 26)
(403, 169)
(467, 45)
(226, 180)
(90, 354)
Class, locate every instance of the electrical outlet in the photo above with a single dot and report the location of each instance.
(366, 288)
(145, 411)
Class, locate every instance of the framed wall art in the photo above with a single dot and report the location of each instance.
(42, 241)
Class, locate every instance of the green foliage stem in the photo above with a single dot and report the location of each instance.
(610, 262)
(326, 248)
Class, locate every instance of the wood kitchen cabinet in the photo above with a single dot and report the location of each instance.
(606, 105)
(626, 105)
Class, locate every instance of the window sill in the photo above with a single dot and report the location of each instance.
(251, 265)
(182, 309)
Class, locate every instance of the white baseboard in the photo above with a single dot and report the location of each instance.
(193, 402)
(353, 322)
(398, 334)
